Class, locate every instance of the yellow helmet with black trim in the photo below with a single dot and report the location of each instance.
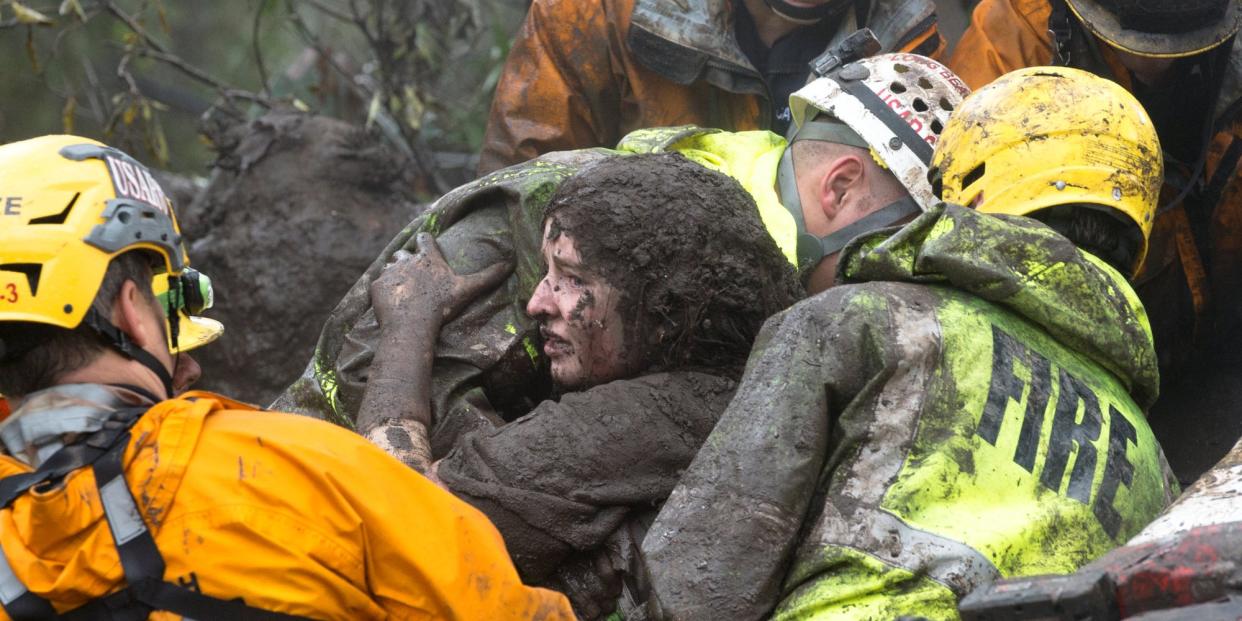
(1047, 136)
(70, 205)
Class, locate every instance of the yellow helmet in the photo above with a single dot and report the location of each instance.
(1046, 136)
(68, 206)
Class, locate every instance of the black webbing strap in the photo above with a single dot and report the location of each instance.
(122, 343)
(72, 457)
(141, 560)
(885, 216)
(1062, 31)
(889, 117)
(18, 602)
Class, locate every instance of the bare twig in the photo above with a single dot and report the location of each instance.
(134, 26)
(258, 52)
(313, 41)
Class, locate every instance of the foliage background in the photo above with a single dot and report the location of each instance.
(120, 70)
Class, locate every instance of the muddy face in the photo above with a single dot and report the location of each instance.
(579, 318)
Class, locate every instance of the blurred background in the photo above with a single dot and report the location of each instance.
(141, 73)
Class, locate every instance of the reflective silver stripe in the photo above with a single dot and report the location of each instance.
(123, 517)
(949, 562)
(11, 587)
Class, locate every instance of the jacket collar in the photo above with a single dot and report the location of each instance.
(1023, 265)
(690, 40)
(36, 430)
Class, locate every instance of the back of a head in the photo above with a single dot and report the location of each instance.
(77, 220)
(1163, 28)
(685, 247)
(1055, 137)
(893, 107)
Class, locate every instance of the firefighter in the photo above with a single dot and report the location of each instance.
(585, 73)
(967, 404)
(121, 500)
(1182, 61)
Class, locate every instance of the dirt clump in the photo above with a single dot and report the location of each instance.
(296, 208)
(697, 271)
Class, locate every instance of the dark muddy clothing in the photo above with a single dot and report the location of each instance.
(899, 441)
(630, 439)
(488, 367)
(584, 73)
(783, 66)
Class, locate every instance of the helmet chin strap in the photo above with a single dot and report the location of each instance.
(812, 249)
(122, 343)
(805, 14)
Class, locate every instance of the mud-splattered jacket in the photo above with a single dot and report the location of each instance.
(585, 73)
(1194, 265)
(972, 407)
(292, 515)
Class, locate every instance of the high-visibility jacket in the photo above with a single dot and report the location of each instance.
(289, 514)
(583, 73)
(970, 405)
(1194, 264)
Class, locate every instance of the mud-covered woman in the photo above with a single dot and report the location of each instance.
(659, 276)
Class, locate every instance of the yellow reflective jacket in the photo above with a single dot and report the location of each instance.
(292, 515)
(1190, 275)
(968, 406)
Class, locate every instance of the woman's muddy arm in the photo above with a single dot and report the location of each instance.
(412, 299)
(395, 413)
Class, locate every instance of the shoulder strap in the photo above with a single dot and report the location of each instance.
(141, 561)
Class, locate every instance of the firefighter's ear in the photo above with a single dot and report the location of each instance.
(843, 181)
(139, 318)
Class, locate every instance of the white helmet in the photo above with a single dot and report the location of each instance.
(894, 105)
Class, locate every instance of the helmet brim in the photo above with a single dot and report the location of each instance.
(194, 332)
(1105, 25)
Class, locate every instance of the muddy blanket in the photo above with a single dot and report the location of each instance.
(487, 363)
(629, 438)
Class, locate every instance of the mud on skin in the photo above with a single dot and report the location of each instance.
(691, 297)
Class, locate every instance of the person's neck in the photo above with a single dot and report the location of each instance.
(771, 27)
(112, 368)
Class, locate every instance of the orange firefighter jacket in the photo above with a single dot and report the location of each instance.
(584, 73)
(291, 514)
(1175, 284)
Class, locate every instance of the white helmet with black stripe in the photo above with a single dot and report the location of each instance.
(894, 105)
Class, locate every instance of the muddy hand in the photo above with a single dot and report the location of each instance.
(423, 284)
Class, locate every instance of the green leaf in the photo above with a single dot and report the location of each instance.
(72, 5)
(29, 16)
(373, 109)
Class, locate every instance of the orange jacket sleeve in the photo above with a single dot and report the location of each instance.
(558, 90)
(1004, 35)
(429, 551)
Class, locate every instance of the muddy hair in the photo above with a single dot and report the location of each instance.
(696, 270)
(1098, 231)
(34, 356)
